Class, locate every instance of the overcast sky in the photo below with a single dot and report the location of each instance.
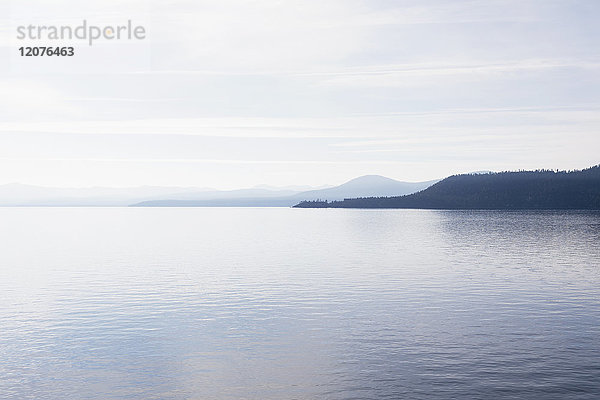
(230, 94)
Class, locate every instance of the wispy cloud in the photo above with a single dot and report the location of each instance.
(454, 120)
(410, 75)
(197, 161)
(422, 69)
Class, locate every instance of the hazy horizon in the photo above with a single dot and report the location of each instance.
(291, 187)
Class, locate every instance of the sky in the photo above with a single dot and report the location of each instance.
(230, 94)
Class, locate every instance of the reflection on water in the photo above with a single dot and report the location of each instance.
(298, 303)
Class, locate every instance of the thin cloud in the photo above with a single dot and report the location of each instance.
(194, 160)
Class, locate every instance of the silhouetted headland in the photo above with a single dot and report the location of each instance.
(522, 190)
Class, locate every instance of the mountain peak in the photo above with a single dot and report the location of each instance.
(371, 179)
(367, 186)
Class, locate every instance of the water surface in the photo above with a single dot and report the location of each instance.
(226, 303)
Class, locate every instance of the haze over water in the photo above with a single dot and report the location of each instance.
(226, 303)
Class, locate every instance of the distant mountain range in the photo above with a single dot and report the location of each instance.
(368, 185)
(537, 190)
(149, 196)
(15, 194)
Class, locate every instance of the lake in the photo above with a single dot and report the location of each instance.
(279, 303)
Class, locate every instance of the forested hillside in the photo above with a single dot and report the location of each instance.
(543, 190)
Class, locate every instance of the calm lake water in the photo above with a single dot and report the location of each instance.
(226, 303)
